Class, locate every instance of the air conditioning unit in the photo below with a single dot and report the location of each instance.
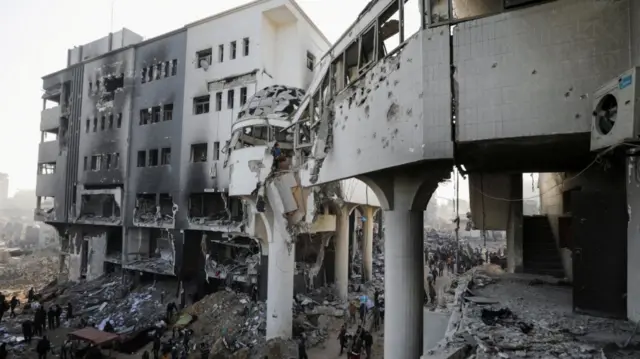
(615, 118)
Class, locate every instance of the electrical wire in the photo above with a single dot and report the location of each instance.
(596, 160)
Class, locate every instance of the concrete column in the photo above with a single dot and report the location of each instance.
(515, 249)
(342, 254)
(280, 282)
(403, 283)
(367, 243)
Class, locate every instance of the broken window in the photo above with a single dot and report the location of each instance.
(220, 53)
(116, 160)
(230, 99)
(95, 124)
(84, 163)
(110, 121)
(96, 162)
(142, 158)
(165, 156)
(243, 96)
(218, 101)
(232, 50)
(168, 112)
(166, 69)
(145, 117)
(98, 86)
(166, 204)
(337, 68)
(444, 10)
(88, 125)
(108, 161)
(119, 124)
(102, 123)
(245, 46)
(204, 58)
(150, 73)
(201, 105)
(153, 158)
(158, 71)
(143, 76)
(145, 209)
(199, 152)
(155, 114)
(351, 63)
(216, 151)
(209, 205)
(174, 67)
(48, 168)
(99, 205)
(389, 32)
(311, 60)
(113, 83)
(367, 48)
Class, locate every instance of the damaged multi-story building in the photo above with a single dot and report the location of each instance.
(138, 169)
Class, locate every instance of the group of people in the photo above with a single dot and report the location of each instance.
(177, 347)
(357, 344)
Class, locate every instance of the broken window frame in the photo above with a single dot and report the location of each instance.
(243, 96)
(46, 168)
(108, 161)
(201, 104)
(96, 162)
(88, 125)
(116, 160)
(143, 75)
(245, 46)
(165, 156)
(158, 71)
(199, 152)
(451, 19)
(311, 61)
(145, 116)
(216, 151)
(204, 55)
(221, 53)
(141, 159)
(150, 75)
(153, 157)
(231, 99)
(156, 114)
(167, 112)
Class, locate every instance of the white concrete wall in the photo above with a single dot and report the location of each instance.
(357, 192)
(97, 252)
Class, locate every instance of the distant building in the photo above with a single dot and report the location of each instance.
(4, 189)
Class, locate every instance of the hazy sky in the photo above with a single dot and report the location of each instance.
(37, 34)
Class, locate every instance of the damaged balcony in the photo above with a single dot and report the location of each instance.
(154, 210)
(216, 212)
(151, 250)
(100, 206)
(233, 260)
(45, 209)
(114, 247)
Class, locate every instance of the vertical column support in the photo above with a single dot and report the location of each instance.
(367, 243)
(342, 254)
(515, 249)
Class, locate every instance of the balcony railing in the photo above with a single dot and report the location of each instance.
(50, 119)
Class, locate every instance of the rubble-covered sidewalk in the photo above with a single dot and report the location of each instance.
(523, 316)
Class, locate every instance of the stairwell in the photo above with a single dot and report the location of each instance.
(541, 254)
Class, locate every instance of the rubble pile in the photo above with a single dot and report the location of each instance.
(109, 299)
(35, 270)
(503, 317)
(315, 313)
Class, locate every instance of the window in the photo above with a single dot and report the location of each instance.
(150, 74)
(96, 162)
(174, 67)
(232, 50)
(102, 123)
(199, 152)
(243, 96)
(165, 156)
(245, 46)
(220, 53)
(90, 87)
(463, 9)
(142, 158)
(88, 125)
(155, 114)
(116, 160)
(108, 161)
(145, 117)
(119, 124)
(158, 71)
(166, 68)
(153, 157)
(218, 101)
(201, 105)
(311, 60)
(168, 112)
(216, 151)
(110, 121)
(204, 58)
(230, 98)
(84, 163)
(47, 168)
(143, 76)
(95, 124)
(97, 85)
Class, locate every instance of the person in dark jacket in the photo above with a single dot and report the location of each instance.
(69, 311)
(13, 304)
(368, 343)
(51, 317)
(156, 347)
(342, 337)
(27, 330)
(3, 351)
(43, 347)
(302, 349)
(31, 297)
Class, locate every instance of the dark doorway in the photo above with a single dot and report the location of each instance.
(600, 253)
